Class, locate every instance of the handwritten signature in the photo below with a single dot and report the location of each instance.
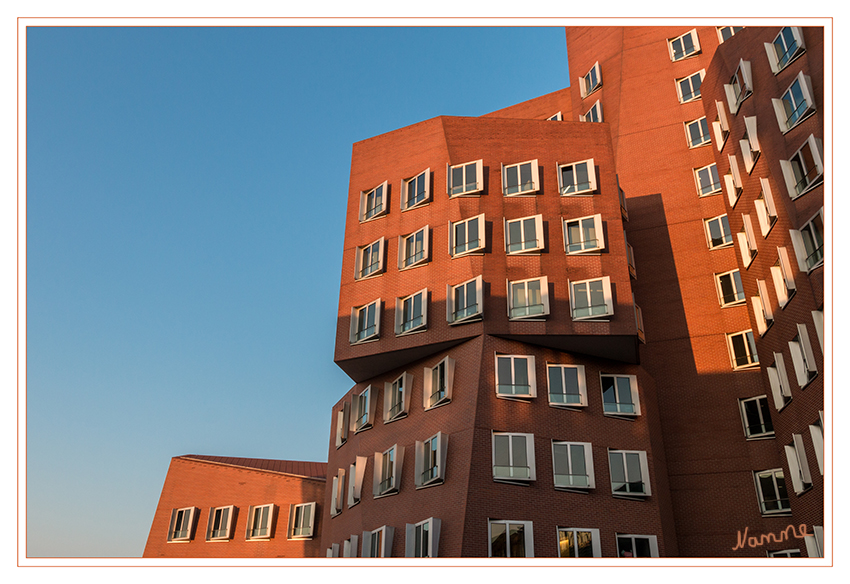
(765, 538)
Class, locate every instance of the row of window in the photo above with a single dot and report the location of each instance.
(259, 526)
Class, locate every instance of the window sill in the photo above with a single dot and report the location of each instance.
(791, 60)
(711, 194)
(364, 341)
(421, 329)
(809, 382)
(387, 494)
(815, 267)
(783, 513)
(369, 277)
(304, 538)
(686, 57)
(582, 490)
(525, 253)
(397, 417)
(478, 193)
(629, 417)
(517, 482)
(695, 146)
(586, 193)
(418, 264)
(475, 252)
(800, 120)
(770, 436)
(374, 217)
(437, 405)
(218, 540)
(431, 483)
(588, 252)
(466, 320)
(631, 496)
(522, 194)
(746, 367)
(724, 246)
(526, 319)
(734, 304)
(363, 428)
(424, 203)
(593, 319)
(517, 398)
(818, 181)
(258, 539)
(572, 407)
(692, 100)
(596, 88)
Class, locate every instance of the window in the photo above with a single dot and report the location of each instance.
(796, 103)
(555, 118)
(260, 520)
(356, 472)
(756, 417)
(397, 397)
(724, 33)
(742, 349)
(730, 289)
(795, 553)
(630, 257)
(219, 523)
(573, 465)
(349, 547)
(411, 313)
(624, 211)
(720, 125)
(583, 235)
(336, 493)
(639, 321)
(577, 542)
(750, 148)
(629, 473)
(718, 232)
(520, 179)
(779, 385)
(747, 241)
(590, 82)
(594, 114)
(803, 357)
(301, 518)
(342, 424)
(416, 191)
(333, 551)
(515, 376)
(182, 525)
(365, 322)
(465, 179)
(708, 180)
(765, 208)
(467, 236)
(637, 546)
(386, 478)
(696, 132)
(528, 298)
(511, 539)
(378, 543)
(761, 308)
(524, 235)
(591, 299)
(567, 386)
(576, 178)
(431, 460)
(620, 395)
(770, 488)
(438, 382)
(465, 302)
(370, 260)
(363, 405)
(513, 457)
(740, 86)
(798, 464)
(817, 318)
(734, 185)
(422, 539)
(688, 88)
(413, 248)
(787, 46)
(814, 543)
(816, 430)
(683, 46)
(373, 203)
(808, 243)
(783, 279)
(805, 169)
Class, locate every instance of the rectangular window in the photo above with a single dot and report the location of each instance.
(520, 179)
(620, 395)
(796, 104)
(817, 318)
(630, 257)
(397, 397)
(629, 473)
(762, 310)
(333, 551)
(591, 299)
(720, 125)
(349, 547)
(583, 235)
(803, 357)
(378, 543)
(373, 203)
(594, 114)
(777, 376)
(260, 518)
(465, 302)
(765, 208)
(577, 178)
(814, 543)
(337, 488)
(756, 417)
(816, 430)
(567, 385)
(370, 260)
(707, 179)
(590, 82)
(528, 298)
(356, 472)
(363, 406)
(465, 179)
(386, 478)
(740, 86)
(219, 523)
(438, 382)
(342, 423)
(573, 465)
(795, 553)
(513, 457)
(724, 33)
(301, 520)
(742, 349)
(750, 148)
(697, 133)
(524, 235)
(730, 289)
(804, 170)
(413, 249)
(783, 278)
(637, 546)
(808, 243)
(734, 184)
(624, 211)
(747, 241)
(639, 321)
(416, 191)
(770, 489)
(510, 539)
(798, 464)
(787, 46)
(182, 525)
(683, 46)
(411, 313)
(688, 88)
(422, 539)
(577, 542)
(365, 322)
(718, 232)
(467, 236)
(431, 460)
(515, 376)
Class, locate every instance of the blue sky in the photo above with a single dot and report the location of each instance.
(186, 193)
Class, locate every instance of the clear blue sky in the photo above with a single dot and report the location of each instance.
(185, 206)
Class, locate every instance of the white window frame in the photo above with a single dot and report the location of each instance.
(531, 374)
(575, 188)
(188, 519)
(305, 513)
(750, 148)
(743, 81)
(251, 527)
(342, 423)
(384, 547)
(720, 125)
(573, 481)
(514, 474)
(747, 241)
(652, 540)
(482, 239)
(414, 531)
(387, 481)
(225, 529)
(798, 48)
(784, 505)
(694, 94)
(453, 315)
(798, 464)
(522, 189)
(333, 551)
(711, 188)
(732, 29)
(555, 118)
(349, 547)
(763, 412)
(430, 463)
(814, 542)
(401, 387)
(586, 84)
(704, 132)
(737, 287)
(356, 473)
(789, 553)
(384, 207)
(762, 310)
(806, 93)
(431, 397)
(536, 244)
(815, 147)
(606, 294)
(405, 262)
(801, 250)
(780, 387)
(765, 208)
(802, 356)
(696, 49)
(401, 325)
(817, 318)
(516, 312)
(816, 431)
(406, 204)
(644, 474)
(584, 245)
(528, 536)
(733, 182)
(558, 370)
(356, 313)
(749, 347)
(618, 409)
(595, 542)
(783, 278)
(467, 189)
(374, 248)
(337, 488)
(363, 409)
(594, 114)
